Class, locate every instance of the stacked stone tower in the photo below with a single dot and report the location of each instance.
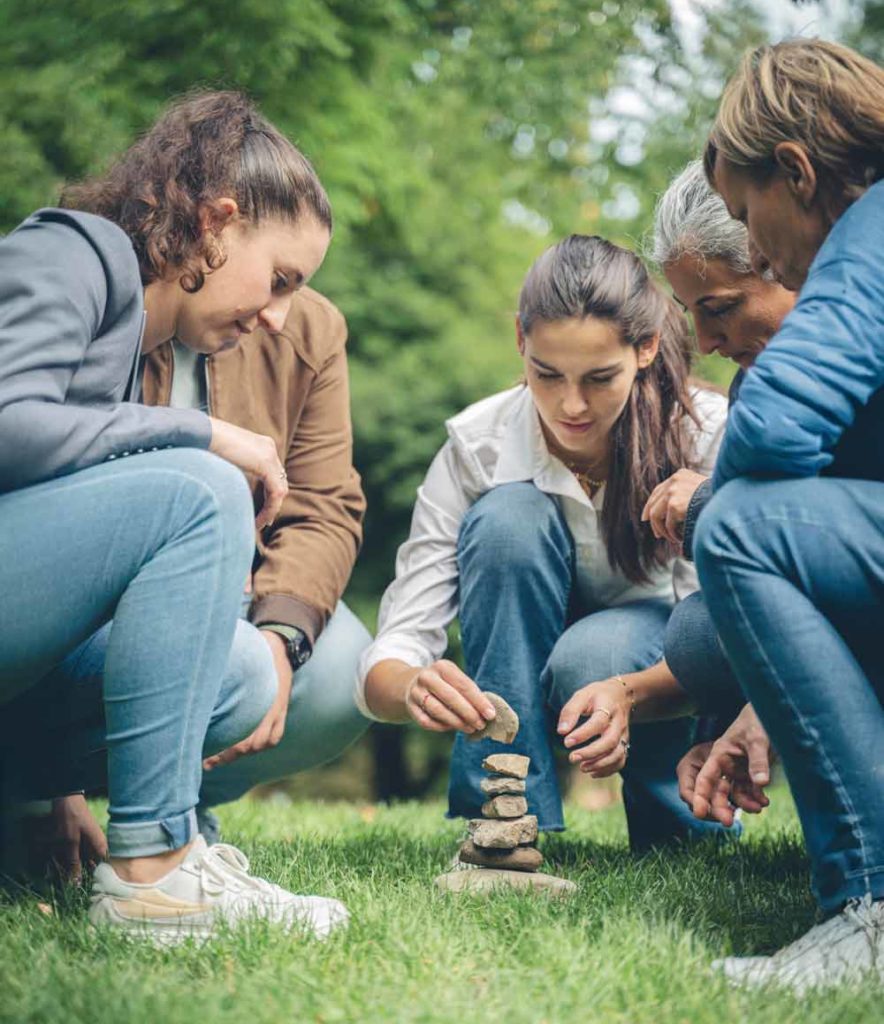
(506, 835)
(502, 847)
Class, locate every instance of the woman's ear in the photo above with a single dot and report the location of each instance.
(798, 170)
(647, 351)
(520, 336)
(216, 215)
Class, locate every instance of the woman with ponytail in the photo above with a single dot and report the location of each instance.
(529, 526)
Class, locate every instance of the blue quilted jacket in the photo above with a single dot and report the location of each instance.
(812, 402)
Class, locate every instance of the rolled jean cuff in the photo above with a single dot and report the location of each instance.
(149, 838)
(833, 896)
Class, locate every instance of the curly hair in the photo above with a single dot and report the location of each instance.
(588, 276)
(205, 146)
(824, 96)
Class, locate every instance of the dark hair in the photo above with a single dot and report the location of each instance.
(587, 276)
(205, 146)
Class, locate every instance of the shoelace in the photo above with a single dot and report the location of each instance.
(224, 867)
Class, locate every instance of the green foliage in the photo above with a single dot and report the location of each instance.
(457, 138)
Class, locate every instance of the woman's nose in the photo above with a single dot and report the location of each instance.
(273, 315)
(708, 341)
(573, 404)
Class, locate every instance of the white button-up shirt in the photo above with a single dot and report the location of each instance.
(497, 441)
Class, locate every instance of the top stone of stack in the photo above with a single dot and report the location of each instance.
(504, 727)
(515, 766)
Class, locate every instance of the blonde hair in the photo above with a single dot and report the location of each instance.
(824, 96)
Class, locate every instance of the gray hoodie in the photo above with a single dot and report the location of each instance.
(71, 322)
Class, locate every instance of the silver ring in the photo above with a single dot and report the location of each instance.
(284, 476)
(625, 744)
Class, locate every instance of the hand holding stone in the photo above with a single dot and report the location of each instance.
(441, 698)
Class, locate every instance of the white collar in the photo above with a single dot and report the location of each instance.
(524, 455)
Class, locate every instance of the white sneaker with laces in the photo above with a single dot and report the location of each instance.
(842, 950)
(210, 888)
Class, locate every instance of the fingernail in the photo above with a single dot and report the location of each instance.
(564, 727)
(759, 777)
(569, 741)
(574, 758)
(489, 711)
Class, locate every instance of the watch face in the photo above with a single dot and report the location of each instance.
(299, 649)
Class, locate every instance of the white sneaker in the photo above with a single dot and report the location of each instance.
(210, 888)
(844, 949)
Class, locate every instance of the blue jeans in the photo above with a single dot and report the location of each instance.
(516, 569)
(793, 572)
(161, 543)
(70, 749)
(696, 658)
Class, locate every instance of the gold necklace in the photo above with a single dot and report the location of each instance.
(588, 483)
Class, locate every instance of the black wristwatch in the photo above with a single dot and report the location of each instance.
(298, 648)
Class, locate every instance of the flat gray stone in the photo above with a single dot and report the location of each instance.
(504, 835)
(512, 765)
(505, 807)
(497, 786)
(522, 858)
(488, 880)
(504, 728)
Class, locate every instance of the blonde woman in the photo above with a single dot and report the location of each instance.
(791, 549)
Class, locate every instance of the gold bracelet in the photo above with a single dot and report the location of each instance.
(630, 693)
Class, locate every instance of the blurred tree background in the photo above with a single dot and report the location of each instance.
(456, 138)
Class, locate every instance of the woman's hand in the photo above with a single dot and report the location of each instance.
(441, 698)
(667, 507)
(257, 455)
(713, 778)
(272, 727)
(70, 838)
(606, 707)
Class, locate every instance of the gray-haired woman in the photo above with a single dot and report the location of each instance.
(705, 256)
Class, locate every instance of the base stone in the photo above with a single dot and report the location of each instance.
(487, 880)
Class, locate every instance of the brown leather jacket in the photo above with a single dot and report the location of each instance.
(292, 387)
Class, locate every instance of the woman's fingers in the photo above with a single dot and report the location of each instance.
(655, 510)
(717, 769)
(657, 492)
(605, 743)
(425, 722)
(608, 765)
(229, 755)
(674, 523)
(689, 768)
(597, 724)
(276, 487)
(449, 673)
(722, 809)
(453, 701)
(580, 704)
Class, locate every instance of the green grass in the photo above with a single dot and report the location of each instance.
(632, 947)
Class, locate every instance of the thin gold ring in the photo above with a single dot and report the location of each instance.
(605, 711)
(427, 696)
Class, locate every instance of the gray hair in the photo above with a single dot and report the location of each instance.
(691, 218)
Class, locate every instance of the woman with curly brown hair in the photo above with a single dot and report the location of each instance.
(109, 509)
(790, 550)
